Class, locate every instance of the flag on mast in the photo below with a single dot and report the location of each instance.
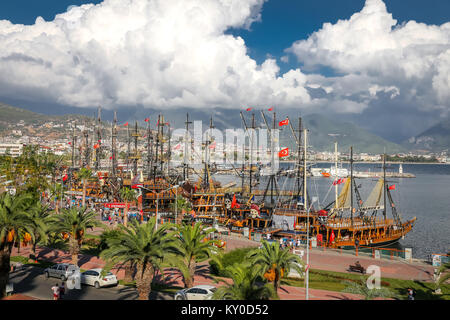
(283, 153)
(283, 123)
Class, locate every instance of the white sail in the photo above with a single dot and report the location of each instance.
(375, 201)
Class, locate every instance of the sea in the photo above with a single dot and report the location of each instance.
(426, 197)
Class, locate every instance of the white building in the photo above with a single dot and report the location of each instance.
(14, 149)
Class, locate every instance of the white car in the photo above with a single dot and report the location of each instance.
(203, 292)
(60, 270)
(93, 277)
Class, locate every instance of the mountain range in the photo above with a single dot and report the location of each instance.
(323, 130)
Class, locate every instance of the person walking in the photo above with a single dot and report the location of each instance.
(55, 290)
(62, 291)
(411, 294)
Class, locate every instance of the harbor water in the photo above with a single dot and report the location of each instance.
(426, 197)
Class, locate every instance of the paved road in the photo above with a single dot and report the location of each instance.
(31, 281)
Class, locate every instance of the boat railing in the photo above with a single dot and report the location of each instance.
(348, 223)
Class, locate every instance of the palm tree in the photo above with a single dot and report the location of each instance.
(72, 224)
(14, 223)
(183, 205)
(247, 284)
(193, 247)
(128, 195)
(141, 245)
(39, 216)
(360, 287)
(57, 192)
(275, 262)
(84, 174)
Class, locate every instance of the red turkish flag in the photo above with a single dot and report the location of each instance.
(147, 119)
(284, 123)
(392, 187)
(332, 236)
(126, 124)
(270, 109)
(96, 146)
(283, 153)
(249, 109)
(65, 178)
(234, 203)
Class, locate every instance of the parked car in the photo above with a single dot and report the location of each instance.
(60, 270)
(202, 292)
(94, 278)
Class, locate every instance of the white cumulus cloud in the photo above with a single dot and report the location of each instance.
(159, 53)
(409, 61)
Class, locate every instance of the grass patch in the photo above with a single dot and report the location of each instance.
(332, 281)
(26, 261)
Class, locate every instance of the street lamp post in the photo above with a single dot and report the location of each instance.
(314, 199)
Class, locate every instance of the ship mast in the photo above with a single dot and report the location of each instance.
(149, 151)
(186, 150)
(252, 136)
(207, 155)
(128, 148)
(384, 185)
(73, 145)
(336, 167)
(161, 150)
(86, 146)
(272, 180)
(113, 146)
(299, 153)
(156, 148)
(351, 184)
(99, 139)
(305, 196)
(135, 157)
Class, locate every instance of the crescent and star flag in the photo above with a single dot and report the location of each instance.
(65, 178)
(339, 181)
(96, 146)
(249, 109)
(332, 237)
(126, 124)
(147, 119)
(70, 142)
(270, 109)
(283, 123)
(392, 187)
(283, 153)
